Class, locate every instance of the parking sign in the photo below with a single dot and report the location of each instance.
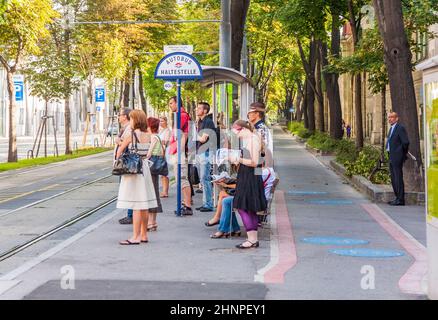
(19, 90)
(100, 94)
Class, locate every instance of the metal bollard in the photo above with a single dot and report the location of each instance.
(75, 146)
(96, 142)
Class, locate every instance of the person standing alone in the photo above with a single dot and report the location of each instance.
(205, 148)
(397, 145)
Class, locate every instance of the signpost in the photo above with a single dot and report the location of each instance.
(178, 66)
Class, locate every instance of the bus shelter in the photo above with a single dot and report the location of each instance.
(232, 93)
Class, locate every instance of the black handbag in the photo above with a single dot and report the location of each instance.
(159, 163)
(130, 162)
(193, 174)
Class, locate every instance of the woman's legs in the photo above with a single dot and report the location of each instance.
(250, 221)
(153, 212)
(144, 225)
(217, 214)
(165, 183)
(228, 217)
(136, 226)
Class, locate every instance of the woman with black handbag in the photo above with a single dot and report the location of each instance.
(157, 155)
(136, 189)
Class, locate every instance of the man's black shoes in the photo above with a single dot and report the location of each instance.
(396, 203)
(185, 211)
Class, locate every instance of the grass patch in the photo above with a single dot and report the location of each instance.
(42, 161)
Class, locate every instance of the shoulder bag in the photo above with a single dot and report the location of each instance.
(159, 164)
(130, 162)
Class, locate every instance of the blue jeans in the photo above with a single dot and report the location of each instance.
(205, 179)
(130, 211)
(228, 214)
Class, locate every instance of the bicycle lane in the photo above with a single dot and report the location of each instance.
(322, 208)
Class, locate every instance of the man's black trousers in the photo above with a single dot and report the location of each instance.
(398, 185)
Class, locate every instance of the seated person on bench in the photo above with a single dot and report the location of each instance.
(231, 228)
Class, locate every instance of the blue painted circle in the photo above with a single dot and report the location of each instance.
(306, 192)
(333, 241)
(335, 202)
(368, 253)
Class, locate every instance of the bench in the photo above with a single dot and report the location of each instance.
(263, 215)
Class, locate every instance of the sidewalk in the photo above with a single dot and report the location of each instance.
(182, 262)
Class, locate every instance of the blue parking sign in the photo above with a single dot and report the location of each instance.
(100, 94)
(19, 89)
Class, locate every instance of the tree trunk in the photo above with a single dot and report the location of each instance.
(320, 123)
(126, 91)
(358, 130)
(141, 90)
(305, 106)
(309, 67)
(239, 9)
(67, 125)
(332, 85)
(67, 85)
(398, 57)
(358, 124)
(298, 114)
(12, 151)
(382, 140)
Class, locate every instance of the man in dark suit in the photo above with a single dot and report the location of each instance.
(397, 145)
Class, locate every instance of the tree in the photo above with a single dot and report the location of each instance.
(239, 10)
(355, 17)
(398, 59)
(25, 24)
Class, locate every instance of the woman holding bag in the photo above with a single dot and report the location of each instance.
(136, 190)
(156, 154)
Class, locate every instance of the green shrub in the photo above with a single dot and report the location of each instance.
(297, 128)
(322, 141)
(346, 151)
(365, 163)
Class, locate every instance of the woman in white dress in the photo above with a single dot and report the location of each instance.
(136, 191)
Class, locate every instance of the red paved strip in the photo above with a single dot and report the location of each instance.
(410, 282)
(286, 245)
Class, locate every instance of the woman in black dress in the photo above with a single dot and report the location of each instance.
(250, 196)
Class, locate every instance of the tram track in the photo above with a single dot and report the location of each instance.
(13, 251)
(53, 196)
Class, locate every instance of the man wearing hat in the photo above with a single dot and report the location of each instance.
(256, 114)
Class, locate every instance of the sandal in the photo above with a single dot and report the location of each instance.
(153, 227)
(128, 243)
(164, 196)
(219, 235)
(144, 241)
(208, 224)
(236, 234)
(253, 245)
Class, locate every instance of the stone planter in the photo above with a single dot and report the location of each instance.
(376, 192)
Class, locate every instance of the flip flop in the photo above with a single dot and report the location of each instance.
(144, 241)
(164, 196)
(128, 243)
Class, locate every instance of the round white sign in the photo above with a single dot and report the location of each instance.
(168, 85)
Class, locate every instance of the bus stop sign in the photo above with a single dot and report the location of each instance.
(178, 66)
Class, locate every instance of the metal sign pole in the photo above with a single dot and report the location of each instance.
(178, 130)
